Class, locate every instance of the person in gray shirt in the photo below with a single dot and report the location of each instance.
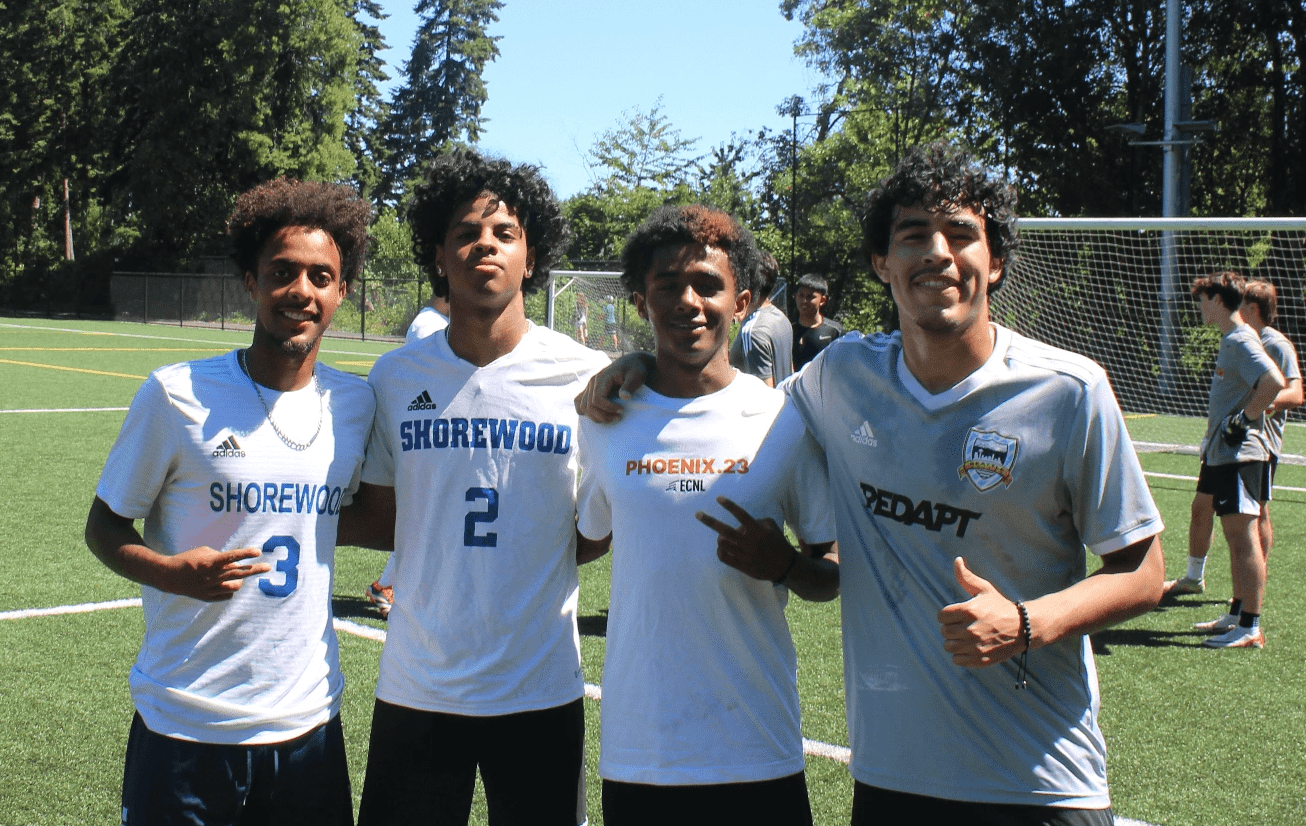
(765, 344)
(1236, 471)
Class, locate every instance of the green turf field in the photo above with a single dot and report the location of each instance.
(1195, 736)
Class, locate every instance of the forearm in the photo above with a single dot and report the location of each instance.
(1289, 398)
(1128, 584)
(1263, 395)
(115, 541)
(369, 520)
(588, 550)
(815, 574)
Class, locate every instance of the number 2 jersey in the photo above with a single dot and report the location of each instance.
(483, 463)
(199, 462)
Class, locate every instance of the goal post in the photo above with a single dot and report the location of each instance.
(1117, 290)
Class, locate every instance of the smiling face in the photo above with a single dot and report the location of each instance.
(939, 268)
(691, 298)
(809, 303)
(484, 255)
(296, 290)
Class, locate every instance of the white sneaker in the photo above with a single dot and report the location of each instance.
(1238, 637)
(1219, 625)
(1183, 585)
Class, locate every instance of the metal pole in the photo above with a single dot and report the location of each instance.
(1170, 201)
(793, 196)
(553, 297)
(362, 309)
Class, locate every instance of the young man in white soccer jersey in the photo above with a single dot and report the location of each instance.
(239, 465)
(700, 695)
(472, 467)
(970, 467)
(1236, 473)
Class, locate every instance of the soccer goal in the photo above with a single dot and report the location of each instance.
(1117, 290)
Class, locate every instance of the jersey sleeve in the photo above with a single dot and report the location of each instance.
(1251, 361)
(759, 354)
(1112, 505)
(143, 456)
(804, 389)
(807, 508)
(1285, 356)
(379, 461)
(593, 508)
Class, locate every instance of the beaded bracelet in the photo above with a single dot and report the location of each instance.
(1021, 669)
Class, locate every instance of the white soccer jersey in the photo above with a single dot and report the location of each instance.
(1280, 349)
(1017, 468)
(427, 322)
(483, 462)
(700, 676)
(1238, 366)
(198, 460)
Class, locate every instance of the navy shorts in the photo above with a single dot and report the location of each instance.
(421, 766)
(873, 805)
(1236, 488)
(779, 802)
(301, 781)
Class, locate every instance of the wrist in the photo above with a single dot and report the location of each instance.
(793, 561)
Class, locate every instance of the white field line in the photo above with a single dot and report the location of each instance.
(66, 410)
(593, 692)
(1194, 479)
(169, 338)
(816, 748)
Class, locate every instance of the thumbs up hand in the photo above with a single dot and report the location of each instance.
(985, 628)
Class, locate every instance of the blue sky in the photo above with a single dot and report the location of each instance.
(568, 70)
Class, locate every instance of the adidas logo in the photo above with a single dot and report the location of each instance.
(229, 448)
(422, 402)
(864, 435)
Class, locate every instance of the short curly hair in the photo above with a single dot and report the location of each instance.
(690, 224)
(938, 175)
(462, 175)
(335, 209)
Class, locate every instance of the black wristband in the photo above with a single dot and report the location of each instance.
(793, 560)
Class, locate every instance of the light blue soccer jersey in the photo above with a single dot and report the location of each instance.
(1017, 468)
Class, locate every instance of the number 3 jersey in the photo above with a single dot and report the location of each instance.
(483, 463)
(198, 460)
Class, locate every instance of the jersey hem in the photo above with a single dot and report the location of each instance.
(1026, 797)
(702, 775)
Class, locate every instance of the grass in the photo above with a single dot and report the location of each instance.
(1194, 736)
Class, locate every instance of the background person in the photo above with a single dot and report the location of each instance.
(1236, 474)
(812, 332)
(764, 346)
(240, 457)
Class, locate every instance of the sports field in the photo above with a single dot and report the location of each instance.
(1195, 736)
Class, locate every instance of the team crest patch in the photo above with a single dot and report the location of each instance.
(988, 458)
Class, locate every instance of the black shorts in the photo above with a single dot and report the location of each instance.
(873, 805)
(780, 802)
(301, 781)
(1236, 488)
(421, 766)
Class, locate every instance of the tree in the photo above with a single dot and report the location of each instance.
(644, 150)
(442, 94)
(217, 95)
(363, 133)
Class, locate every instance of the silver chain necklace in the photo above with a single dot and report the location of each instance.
(290, 443)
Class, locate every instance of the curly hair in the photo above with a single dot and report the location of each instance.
(938, 175)
(285, 202)
(690, 224)
(462, 175)
(1229, 287)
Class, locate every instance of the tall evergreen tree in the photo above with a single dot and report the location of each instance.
(217, 95)
(363, 133)
(442, 94)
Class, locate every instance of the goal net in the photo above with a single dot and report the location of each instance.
(1117, 291)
